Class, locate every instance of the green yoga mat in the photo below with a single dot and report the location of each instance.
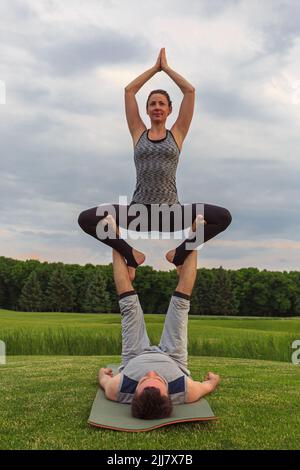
(112, 415)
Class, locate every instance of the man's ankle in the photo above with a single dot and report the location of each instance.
(183, 295)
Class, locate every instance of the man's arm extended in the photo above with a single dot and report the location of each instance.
(109, 383)
(197, 390)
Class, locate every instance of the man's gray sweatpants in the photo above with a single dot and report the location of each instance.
(173, 340)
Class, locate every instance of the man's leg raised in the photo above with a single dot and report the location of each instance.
(174, 337)
(134, 335)
(188, 274)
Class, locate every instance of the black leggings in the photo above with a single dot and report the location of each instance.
(217, 220)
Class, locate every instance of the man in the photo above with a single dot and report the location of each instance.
(154, 378)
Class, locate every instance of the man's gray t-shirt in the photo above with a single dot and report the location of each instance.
(161, 363)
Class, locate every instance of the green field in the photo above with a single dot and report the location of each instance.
(50, 380)
(91, 334)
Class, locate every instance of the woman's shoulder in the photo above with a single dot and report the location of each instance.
(177, 137)
(138, 134)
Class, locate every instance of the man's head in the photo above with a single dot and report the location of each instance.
(151, 399)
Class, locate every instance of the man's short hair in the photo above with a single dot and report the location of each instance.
(150, 404)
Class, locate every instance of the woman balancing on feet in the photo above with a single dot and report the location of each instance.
(156, 155)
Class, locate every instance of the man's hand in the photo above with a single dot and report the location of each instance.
(210, 376)
(104, 375)
(197, 390)
(105, 371)
(108, 382)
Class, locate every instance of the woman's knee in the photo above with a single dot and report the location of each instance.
(82, 219)
(225, 217)
(214, 215)
(87, 219)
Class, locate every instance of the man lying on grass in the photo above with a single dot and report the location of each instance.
(154, 378)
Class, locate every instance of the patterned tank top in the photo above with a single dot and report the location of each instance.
(156, 164)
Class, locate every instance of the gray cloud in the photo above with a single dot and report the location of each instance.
(213, 7)
(72, 101)
(249, 189)
(230, 104)
(89, 49)
(281, 34)
(47, 181)
(260, 194)
(203, 8)
(28, 93)
(19, 10)
(279, 31)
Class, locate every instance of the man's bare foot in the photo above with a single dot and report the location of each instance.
(170, 256)
(139, 258)
(138, 255)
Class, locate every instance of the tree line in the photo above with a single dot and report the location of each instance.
(33, 286)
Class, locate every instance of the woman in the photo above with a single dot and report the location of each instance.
(156, 155)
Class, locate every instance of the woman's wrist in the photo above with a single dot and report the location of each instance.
(136, 84)
(183, 84)
(155, 69)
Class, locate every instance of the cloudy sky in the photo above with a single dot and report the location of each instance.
(65, 145)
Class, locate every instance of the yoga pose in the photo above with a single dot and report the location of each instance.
(156, 156)
(154, 378)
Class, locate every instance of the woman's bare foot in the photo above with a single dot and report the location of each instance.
(198, 220)
(138, 255)
(170, 255)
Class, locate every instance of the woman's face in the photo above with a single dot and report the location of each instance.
(158, 107)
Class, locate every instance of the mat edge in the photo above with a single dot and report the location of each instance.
(211, 418)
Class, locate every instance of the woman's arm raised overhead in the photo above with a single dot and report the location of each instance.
(133, 117)
(138, 82)
(186, 110)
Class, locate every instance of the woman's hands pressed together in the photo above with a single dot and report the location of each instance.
(161, 63)
(163, 59)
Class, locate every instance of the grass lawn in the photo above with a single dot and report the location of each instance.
(46, 401)
(50, 380)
